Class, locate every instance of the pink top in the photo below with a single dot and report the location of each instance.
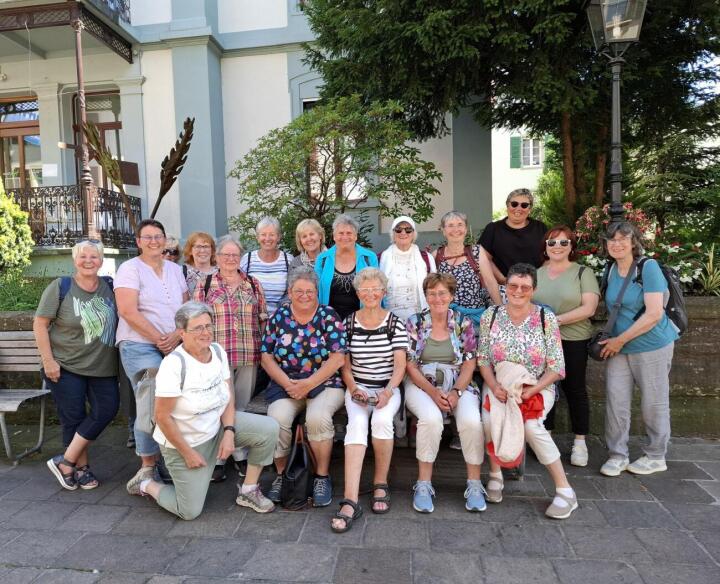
(158, 299)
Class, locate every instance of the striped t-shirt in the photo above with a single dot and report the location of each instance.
(273, 276)
(371, 351)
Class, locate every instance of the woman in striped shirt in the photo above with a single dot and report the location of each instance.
(373, 370)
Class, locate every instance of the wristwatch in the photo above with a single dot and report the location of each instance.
(459, 391)
(231, 428)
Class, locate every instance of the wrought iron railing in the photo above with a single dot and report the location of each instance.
(115, 9)
(57, 215)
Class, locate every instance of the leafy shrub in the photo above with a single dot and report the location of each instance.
(18, 292)
(16, 242)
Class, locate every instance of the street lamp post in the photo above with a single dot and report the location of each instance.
(615, 25)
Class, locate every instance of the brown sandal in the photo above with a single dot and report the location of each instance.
(384, 499)
(348, 519)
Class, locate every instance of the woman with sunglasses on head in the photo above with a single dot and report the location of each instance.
(517, 238)
(405, 266)
(238, 304)
(149, 291)
(573, 294)
(200, 261)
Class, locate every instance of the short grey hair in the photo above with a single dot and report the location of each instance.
(627, 229)
(453, 215)
(345, 219)
(190, 310)
(268, 221)
(367, 274)
(226, 240)
(520, 193)
(95, 244)
(303, 273)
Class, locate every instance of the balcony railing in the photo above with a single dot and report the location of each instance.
(57, 215)
(115, 9)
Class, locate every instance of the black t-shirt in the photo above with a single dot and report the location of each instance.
(509, 246)
(343, 297)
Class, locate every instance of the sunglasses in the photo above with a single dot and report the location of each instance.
(171, 252)
(560, 242)
(515, 204)
(405, 229)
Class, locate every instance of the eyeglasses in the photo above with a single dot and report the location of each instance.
(304, 292)
(203, 328)
(560, 242)
(405, 229)
(149, 238)
(171, 252)
(375, 290)
(515, 204)
(201, 247)
(524, 288)
(439, 294)
(620, 240)
(229, 256)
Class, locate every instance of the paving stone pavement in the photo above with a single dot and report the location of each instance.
(647, 530)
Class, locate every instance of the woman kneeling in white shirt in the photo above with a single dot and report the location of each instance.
(197, 422)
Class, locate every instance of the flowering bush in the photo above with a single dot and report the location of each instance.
(688, 258)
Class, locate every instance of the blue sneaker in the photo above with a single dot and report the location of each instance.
(322, 492)
(475, 496)
(422, 499)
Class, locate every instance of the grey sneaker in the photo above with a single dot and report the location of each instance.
(646, 466)
(557, 512)
(255, 500)
(614, 466)
(455, 442)
(494, 490)
(579, 455)
(274, 492)
(133, 485)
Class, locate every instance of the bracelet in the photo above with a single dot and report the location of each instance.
(231, 428)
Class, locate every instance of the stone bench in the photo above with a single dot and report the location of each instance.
(19, 352)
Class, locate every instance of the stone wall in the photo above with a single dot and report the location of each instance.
(695, 372)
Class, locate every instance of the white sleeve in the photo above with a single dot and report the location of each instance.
(225, 365)
(167, 382)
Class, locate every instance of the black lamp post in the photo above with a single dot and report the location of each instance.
(615, 25)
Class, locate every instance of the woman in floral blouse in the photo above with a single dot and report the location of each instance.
(524, 333)
(303, 348)
(441, 361)
(239, 312)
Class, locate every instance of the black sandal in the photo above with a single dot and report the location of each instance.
(67, 480)
(357, 513)
(86, 479)
(384, 499)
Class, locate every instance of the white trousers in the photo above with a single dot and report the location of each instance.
(380, 421)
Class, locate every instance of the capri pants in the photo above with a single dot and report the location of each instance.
(361, 417)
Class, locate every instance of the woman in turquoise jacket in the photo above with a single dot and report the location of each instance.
(337, 266)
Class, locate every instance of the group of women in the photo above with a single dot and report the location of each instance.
(467, 332)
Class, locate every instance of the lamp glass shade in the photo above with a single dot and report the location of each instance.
(615, 21)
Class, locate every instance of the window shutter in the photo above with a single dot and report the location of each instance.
(515, 151)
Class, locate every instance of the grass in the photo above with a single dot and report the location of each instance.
(18, 292)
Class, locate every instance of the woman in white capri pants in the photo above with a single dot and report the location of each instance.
(441, 361)
(374, 367)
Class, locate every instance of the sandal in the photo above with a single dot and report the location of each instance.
(384, 499)
(348, 519)
(67, 480)
(86, 479)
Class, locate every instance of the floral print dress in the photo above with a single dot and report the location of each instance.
(301, 349)
(470, 292)
(525, 344)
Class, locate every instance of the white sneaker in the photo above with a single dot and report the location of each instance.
(579, 455)
(614, 466)
(646, 466)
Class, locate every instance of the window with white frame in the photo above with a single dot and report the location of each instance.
(531, 152)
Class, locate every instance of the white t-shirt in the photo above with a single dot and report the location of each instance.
(202, 400)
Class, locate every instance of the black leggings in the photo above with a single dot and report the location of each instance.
(574, 388)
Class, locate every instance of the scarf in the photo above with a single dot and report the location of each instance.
(387, 265)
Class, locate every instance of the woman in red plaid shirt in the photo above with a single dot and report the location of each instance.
(238, 303)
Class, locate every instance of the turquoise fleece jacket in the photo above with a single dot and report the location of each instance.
(325, 268)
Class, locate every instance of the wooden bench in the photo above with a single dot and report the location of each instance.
(19, 352)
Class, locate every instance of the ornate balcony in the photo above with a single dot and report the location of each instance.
(57, 216)
(115, 9)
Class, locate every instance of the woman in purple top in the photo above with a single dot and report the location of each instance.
(149, 290)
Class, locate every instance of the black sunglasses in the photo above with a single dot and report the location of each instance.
(405, 229)
(561, 242)
(172, 252)
(514, 204)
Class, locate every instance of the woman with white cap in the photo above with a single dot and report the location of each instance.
(405, 266)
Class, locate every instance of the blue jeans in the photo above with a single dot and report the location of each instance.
(136, 357)
(71, 392)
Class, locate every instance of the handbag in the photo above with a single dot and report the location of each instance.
(145, 400)
(297, 478)
(594, 346)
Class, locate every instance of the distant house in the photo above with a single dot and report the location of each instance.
(517, 162)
